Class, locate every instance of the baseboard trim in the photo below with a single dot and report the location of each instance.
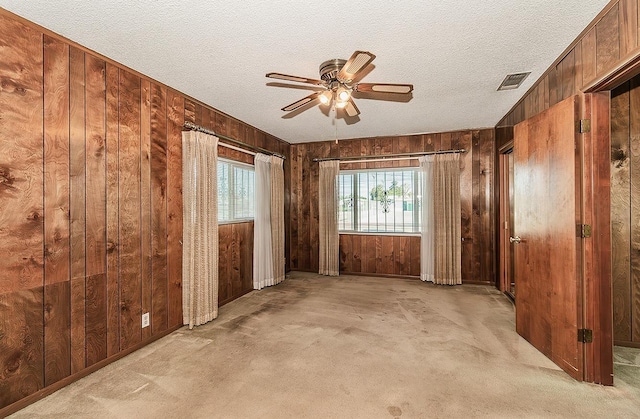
(41, 394)
(235, 297)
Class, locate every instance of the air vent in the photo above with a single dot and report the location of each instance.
(513, 81)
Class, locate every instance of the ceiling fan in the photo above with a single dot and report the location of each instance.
(338, 78)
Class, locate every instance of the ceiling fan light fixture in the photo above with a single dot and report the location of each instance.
(341, 105)
(343, 94)
(325, 98)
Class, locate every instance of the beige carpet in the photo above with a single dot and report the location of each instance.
(347, 347)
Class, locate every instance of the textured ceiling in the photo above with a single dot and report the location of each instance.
(455, 52)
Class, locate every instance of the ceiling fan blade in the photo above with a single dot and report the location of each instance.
(351, 109)
(300, 103)
(383, 88)
(358, 61)
(287, 77)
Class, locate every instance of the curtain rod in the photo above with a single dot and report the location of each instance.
(390, 157)
(194, 127)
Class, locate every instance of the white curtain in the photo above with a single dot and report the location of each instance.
(328, 218)
(262, 244)
(277, 218)
(427, 238)
(441, 252)
(200, 226)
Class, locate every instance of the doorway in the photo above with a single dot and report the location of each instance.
(507, 265)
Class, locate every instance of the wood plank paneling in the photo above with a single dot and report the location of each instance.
(634, 135)
(77, 215)
(225, 241)
(486, 209)
(145, 203)
(21, 344)
(160, 317)
(245, 242)
(77, 167)
(175, 121)
(621, 213)
(607, 41)
(129, 211)
(112, 207)
(56, 211)
(95, 210)
(469, 199)
(628, 21)
(21, 218)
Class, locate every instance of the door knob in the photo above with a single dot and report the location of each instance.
(515, 239)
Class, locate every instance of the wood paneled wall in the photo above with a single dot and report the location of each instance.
(608, 42)
(389, 254)
(91, 219)
(625, 212)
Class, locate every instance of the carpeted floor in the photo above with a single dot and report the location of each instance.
(346, 347)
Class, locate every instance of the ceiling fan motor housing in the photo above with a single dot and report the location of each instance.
(329, 69)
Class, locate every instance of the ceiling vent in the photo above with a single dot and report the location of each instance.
(513, 81)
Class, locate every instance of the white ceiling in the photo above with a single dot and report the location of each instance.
(455, 52)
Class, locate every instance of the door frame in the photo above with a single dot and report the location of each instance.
(505, 248)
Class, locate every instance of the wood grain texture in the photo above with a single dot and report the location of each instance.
(77, 172)
(95, 210)
(634, 136)
(469, 198)
(145, 202)
(96, 318)
(129, 210)
(588, 47)
(175, 121)
(95, 122)
(486, 237)
(112, 207)
(225, 242)
(621, 213)
(628, 21)
(56, 212)
(159, 208)
(21, 342)
(57, 334)
(596, 207)
(547, 311)
(607, 41)
(21, 157)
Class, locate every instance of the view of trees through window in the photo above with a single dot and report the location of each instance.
(379, 200)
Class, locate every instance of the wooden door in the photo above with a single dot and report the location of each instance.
(548, 261)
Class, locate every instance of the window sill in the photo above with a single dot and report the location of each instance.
(243, 220)
(380, 233)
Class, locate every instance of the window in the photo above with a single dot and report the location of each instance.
(379, 201)
(236, 191)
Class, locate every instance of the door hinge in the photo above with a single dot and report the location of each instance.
(585, 335)
(585, 125)
(584, 231)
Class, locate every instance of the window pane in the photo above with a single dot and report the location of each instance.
(380, 200)
(345, 202)
(223, 192)
(244, 192)
(236, 191)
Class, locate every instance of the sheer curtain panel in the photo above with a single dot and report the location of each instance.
(447, 223)
(328, 218)
(200, 226)
(427, 236)
(277, 218)
(441, 247)
(262, 244)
